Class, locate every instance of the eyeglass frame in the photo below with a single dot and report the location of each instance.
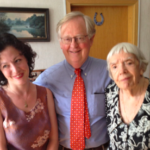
(75, 38)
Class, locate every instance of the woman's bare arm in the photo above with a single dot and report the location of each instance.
(53, 141)
(2, 135)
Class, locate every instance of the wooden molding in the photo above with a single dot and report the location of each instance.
(132, 12)
(40, 70)
(70, 3)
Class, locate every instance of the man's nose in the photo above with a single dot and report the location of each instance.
(74, 42)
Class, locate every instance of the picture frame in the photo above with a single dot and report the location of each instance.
(35, 74)
(27, 24)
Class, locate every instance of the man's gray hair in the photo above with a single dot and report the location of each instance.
(90, 25)
(128, 48)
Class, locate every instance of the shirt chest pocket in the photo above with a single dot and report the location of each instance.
(97, 105)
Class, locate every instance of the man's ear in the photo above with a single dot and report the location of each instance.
(92, 39)
(141, 72)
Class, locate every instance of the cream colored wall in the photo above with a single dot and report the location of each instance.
(49, 53)
(144, 31)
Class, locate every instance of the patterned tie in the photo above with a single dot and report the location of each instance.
(79, 121)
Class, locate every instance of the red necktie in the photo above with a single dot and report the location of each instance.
(79, 121)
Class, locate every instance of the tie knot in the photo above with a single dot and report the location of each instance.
(78, 72)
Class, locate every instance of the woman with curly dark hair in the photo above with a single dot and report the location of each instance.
(27, 113)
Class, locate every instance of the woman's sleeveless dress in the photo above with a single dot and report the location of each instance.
(26, 130)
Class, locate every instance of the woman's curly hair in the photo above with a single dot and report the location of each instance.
(6, 40)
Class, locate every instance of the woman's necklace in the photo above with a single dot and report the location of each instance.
(25, 99)
(26, 105)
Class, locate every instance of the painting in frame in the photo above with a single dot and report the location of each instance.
(27, 24)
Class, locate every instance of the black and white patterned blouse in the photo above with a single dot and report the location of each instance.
(136, 135)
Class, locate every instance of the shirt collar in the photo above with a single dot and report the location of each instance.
(84, 67)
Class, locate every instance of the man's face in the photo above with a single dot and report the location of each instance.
(75, 53)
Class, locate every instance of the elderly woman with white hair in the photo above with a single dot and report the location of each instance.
(128, 99)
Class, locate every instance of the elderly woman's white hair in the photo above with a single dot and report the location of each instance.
(127, 48)
(90, 25)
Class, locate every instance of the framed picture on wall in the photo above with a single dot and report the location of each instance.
(27, 24)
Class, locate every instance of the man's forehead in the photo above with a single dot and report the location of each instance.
(74, 26)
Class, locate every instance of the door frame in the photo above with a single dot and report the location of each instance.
(132, 12)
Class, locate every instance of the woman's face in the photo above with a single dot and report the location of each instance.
(125, 70)
(14, 66)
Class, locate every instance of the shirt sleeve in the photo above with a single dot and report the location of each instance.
(42, 80)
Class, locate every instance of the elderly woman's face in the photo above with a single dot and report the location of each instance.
(125, 70)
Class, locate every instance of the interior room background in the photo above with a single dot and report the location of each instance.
(49, 53)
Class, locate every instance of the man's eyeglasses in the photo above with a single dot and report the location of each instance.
(78, 39)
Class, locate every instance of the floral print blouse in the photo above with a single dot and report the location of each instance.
(136, 135)
(26, 130)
